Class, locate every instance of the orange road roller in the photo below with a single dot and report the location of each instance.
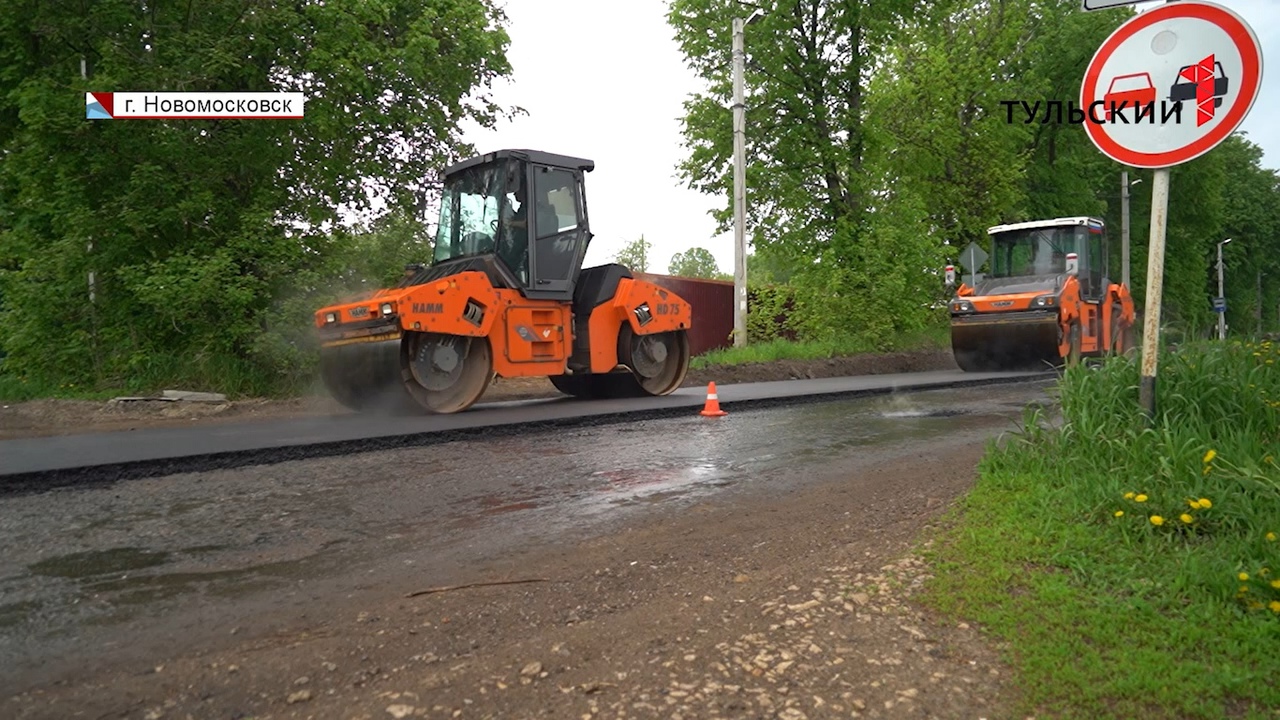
(506, 296)
(1048, 300)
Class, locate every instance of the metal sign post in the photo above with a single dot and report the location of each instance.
(1155, 286)
(1201, 66)
(972, 258)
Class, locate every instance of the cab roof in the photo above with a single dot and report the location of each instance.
(1056, 222)
(535, 156)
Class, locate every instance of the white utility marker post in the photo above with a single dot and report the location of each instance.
(739, 192)
(1193, 47)
(1222, 297)
(740, 183)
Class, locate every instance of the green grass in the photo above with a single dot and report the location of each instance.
(774, 350)
(1116, 617)
(152, 374)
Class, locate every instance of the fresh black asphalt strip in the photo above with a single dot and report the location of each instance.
(35, 464)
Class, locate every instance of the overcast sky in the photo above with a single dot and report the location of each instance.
(605, 81)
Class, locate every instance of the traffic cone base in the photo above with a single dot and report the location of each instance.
(712, 408)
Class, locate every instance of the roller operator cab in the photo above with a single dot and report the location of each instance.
(1048, 299)
(506, 296)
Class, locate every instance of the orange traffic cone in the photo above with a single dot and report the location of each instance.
(712, 408)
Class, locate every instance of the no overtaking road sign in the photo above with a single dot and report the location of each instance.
(1192, 53)
(1206, 61)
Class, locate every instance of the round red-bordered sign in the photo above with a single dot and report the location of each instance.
(1152, 58)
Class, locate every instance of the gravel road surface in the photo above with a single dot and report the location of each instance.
(755, 565)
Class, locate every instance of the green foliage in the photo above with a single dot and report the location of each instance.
(768, 266)
(1135, 618)
(934, 108)
(805, 91)
(1251, 218)
(202, 230)
(635, 255)
(769, 309)
(879, 146)
(696, 263)
(842, 346)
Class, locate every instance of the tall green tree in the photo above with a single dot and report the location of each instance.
(805, 87)
(199, 227)
(813, 197)
(635, 254)
(696, 263)
(1251, 200)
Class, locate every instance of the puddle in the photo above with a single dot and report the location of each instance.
(923, 413)
(104, 562)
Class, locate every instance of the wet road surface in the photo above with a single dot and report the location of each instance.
(120, 573)
(39, 462)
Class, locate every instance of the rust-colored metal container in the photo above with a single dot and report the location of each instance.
(712, 302)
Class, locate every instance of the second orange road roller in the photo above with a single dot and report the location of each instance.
(1047, 301)
(506, 296)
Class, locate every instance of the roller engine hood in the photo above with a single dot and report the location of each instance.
(1044, 284)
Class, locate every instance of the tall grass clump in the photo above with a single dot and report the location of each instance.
(1144, 555)
(1206, 470)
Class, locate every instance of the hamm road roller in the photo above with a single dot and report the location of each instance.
(1047, 301)
(506, 296)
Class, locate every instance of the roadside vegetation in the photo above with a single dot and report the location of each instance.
(1133, 570)
(870, 168)
(937, 338)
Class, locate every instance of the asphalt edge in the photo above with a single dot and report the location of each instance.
(108, 474)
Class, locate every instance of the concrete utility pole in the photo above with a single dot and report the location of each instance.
(1222, 315)
(1124, 225)
(740, 184)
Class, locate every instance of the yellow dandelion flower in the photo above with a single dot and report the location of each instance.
(1141, 498)
(1271, 537)
(1195, 504)
(1207, 468)
(1209, 456)
(1205, 504)
(1186, 519)
(1243, 589)
(1243, 577)
(1119, 513)
(1275, 606)
(1275, 584)
(1128, 496)
(1157, 520)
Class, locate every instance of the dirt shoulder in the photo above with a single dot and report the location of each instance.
(789, 604)
(38, 418)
